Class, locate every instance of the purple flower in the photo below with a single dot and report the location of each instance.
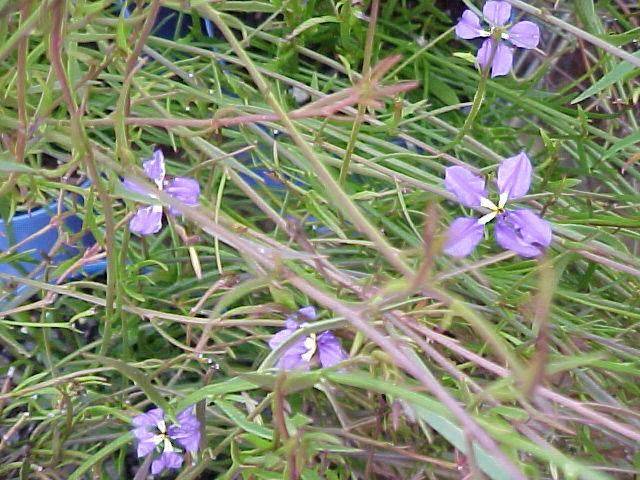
(497, 13)
(148, 220)
(521, 231)
(301, 354)
(152, 433)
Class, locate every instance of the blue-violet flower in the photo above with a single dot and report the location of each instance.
(302, 353)
(153, 433)
(148, 220)
(521, 231)
(497, 13)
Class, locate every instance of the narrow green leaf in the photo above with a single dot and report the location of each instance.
(627, 141)
(7, 166)
(312, 22)
(100, 455)
(215, 390)
(237, 417)
(618, 73)
(140, 379)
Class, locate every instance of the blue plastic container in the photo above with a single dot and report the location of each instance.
(31, 228)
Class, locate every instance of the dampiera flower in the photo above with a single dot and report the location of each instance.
(153, 434)
(148, 220)
(497, 13)
(521, 231)
(325, 346)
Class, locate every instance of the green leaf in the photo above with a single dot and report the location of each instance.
(621, 70)
(237, 417)
(100, 455)
(11, 344)
(429, 410)
(140, 379)
(627, 141)
(438, 418)
(512, 413)
(7, 166)
(232, 385)
(294, 381)
(442, 91)
(623, 38)
(312, 22)
(122, 31)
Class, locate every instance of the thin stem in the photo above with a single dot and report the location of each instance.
(477, 99)
(344, 168)
(82, 148)
(21, 101)
(544, 15)
(340, 199)
(417, 370)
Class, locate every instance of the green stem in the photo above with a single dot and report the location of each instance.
(82, 149)
(366, 74)
(544, 15)
(346, 163)
(477, 99)
(338, 197)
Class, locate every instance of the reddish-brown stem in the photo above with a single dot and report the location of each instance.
(82, 148)
(21, 100)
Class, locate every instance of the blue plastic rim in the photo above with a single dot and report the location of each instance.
(26, 225)
(33, 226)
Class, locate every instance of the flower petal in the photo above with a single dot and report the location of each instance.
(148, 419)
(523, 232)
(146, 441)
(166, 460)
(172, 459)
(187, 419)
(467, 187)
(485, 51)
(509, 239)
(502, 61)
(329, 350)
(292, 358)
(497, 13)
(134, 187)
(534, 229)
(158, 465)
(514, 175)
(525, 35)
(502, 58)
(187, 432)
(281, 336)
(147, 220)
(463, 236)
(154, 167)
(187, 190)
(469, 26)
(291, 323)
(308, 313)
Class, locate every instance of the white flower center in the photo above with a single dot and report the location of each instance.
(311, 344)
(495, 209)
(162, 426)
(163, 437)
